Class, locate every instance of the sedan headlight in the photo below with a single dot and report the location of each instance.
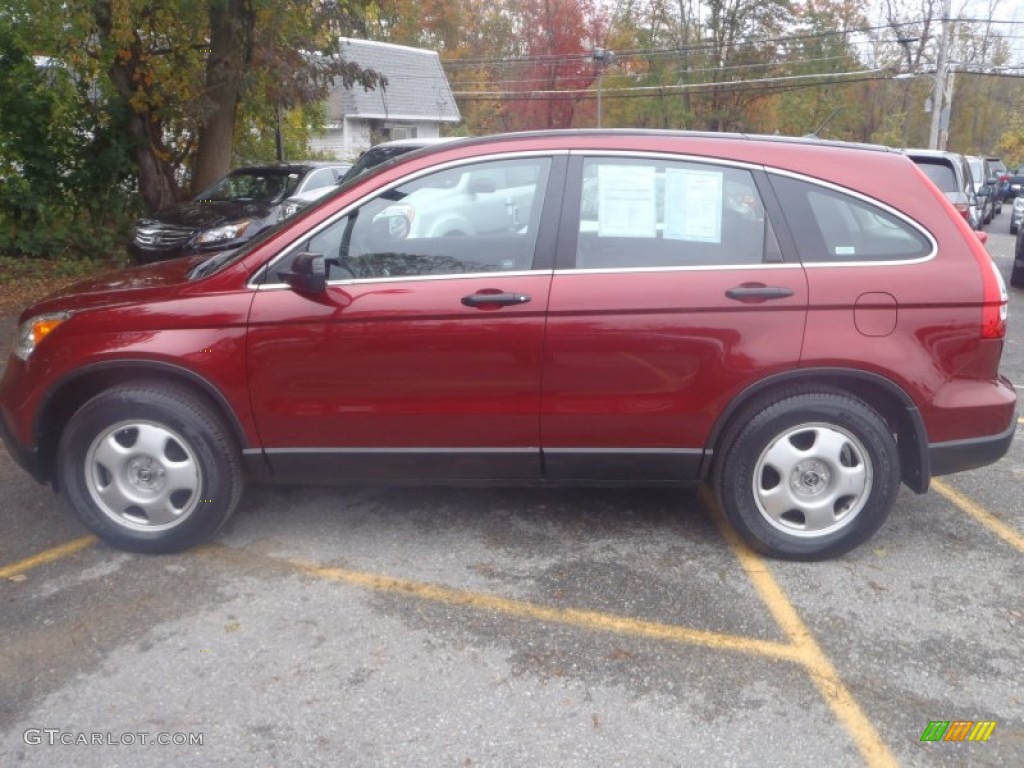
(34, 330)
(223, 233)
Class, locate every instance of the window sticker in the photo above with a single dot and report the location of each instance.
(846, 250)
(693, 205)
(626, 201)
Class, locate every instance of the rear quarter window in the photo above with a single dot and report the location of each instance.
(832, 226)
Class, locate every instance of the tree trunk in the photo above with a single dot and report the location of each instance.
(157, 185)
(231, 25)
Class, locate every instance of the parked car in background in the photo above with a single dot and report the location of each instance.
(232, 211)
(1017, 272)
(374, 156)
(1002, 181)
(300, 200)
(802, 324)
(388, 150)
(1016, 185)
(984, 187)
(951, 173)
(1016, 214)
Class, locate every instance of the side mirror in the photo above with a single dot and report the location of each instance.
(308, 273)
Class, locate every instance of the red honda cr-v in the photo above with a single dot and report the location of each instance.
(802, 324)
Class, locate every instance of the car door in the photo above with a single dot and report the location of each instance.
(421, 360)
(670, 297)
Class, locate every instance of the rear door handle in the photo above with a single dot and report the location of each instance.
(758, 292)
(494, 299)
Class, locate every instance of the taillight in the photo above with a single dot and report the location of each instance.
(994, 297)
(964, 209)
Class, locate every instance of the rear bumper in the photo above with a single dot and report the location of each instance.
(960, 455)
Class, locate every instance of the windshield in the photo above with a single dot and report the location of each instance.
(264, 186)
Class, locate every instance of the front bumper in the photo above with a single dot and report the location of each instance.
(27, 458)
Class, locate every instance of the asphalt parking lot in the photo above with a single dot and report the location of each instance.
(512, 627)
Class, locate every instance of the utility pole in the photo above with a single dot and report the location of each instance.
(603, 58)
(939, 90)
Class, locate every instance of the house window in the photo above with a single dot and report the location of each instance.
(403, 132)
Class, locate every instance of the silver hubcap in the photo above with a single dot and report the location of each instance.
(812, 480)
(143, 476)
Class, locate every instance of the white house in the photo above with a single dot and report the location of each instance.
(416, 101)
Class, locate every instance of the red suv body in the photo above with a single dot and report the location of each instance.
(801, 323)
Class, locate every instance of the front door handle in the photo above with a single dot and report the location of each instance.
(485, 300)
(754, 293)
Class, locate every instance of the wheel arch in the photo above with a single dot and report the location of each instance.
(74, 390)
(885, 396)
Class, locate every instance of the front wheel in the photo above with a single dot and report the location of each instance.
(150, 467)
(809, 476)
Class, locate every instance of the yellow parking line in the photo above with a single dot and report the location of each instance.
(990, 521)
(822, 672)
(575, 617)
(594, 620)
(47, 556)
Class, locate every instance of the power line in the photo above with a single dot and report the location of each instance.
(728, 85)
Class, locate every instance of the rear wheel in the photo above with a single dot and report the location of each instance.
(150, 467)
(808, 476)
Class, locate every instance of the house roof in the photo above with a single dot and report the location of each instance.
(417, 87)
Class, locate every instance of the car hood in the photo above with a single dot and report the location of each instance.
(206, 215)
(119, 287)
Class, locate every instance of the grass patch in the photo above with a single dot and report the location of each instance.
(22, 281)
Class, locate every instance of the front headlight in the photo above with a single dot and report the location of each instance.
(224, 233)
(34, 330)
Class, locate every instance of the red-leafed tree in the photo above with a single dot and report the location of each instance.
(557, 39)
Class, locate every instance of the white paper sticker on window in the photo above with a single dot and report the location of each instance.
(626, 201)
(846, 250)
(693, 205)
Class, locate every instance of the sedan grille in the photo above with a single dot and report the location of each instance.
(163, 236)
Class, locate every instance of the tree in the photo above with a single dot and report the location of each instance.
(64, 168)
(178, 71)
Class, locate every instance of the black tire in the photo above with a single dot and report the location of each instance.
(150, 467)
(1017, 277)
(808, 476)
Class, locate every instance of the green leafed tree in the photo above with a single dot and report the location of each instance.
(181, 73)
(65, 168)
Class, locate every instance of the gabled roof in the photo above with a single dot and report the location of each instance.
(417, 86)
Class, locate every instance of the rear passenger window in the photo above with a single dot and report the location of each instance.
(637, 213)
(830, 226)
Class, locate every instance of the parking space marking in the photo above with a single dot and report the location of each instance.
(811, 656)
(801, 649)
(983, 516)
(47, 556)
(594, 620)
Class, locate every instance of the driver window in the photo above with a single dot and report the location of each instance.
(469, 219)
